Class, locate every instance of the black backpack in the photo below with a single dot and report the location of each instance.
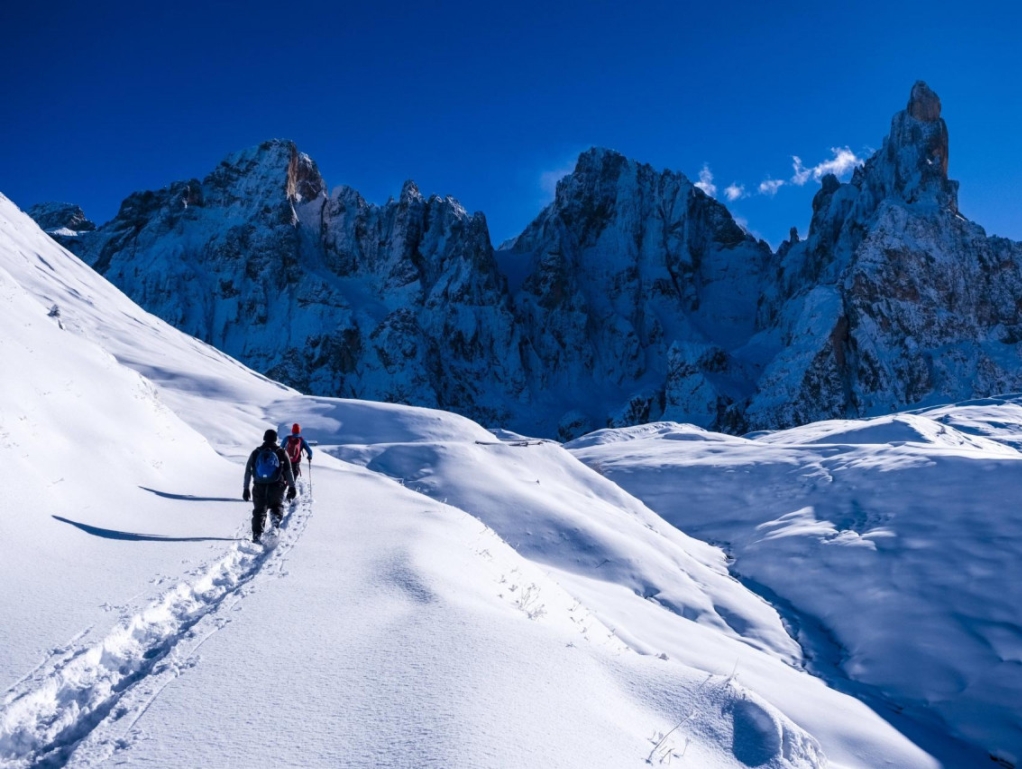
(267, 466)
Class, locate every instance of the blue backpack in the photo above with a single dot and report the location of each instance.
(267, 466)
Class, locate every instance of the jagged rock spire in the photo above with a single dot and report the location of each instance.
(913, 164)
(919, 136)
(923, 103)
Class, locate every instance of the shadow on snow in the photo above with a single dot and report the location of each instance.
(128, 536)
(189, 497)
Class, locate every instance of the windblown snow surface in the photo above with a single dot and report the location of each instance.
(442, 595)
(892, 547)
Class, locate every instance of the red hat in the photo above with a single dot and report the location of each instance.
(296, 428)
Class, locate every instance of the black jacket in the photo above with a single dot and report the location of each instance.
(286, 476)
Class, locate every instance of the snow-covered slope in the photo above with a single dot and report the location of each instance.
(893, 545)
(446, 599)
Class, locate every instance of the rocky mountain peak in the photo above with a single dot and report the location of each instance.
(893, 299)
(913, 164)
(923, 103)
(410, 192)
(599, 161)
(911, 167)
(61, 216)
(599, 165)
(272, 171)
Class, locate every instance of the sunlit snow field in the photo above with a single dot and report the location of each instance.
(842, 594)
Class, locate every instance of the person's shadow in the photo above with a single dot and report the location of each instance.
(189, 497)
(130, 536)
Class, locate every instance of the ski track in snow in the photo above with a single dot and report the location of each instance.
(81, 704)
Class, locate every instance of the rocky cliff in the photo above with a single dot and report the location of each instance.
(639, 288)
(633, 296)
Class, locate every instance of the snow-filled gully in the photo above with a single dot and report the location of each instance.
(82, 702)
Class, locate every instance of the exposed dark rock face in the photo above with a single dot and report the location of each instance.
(634, 296)
(624, 266)
(924, 104)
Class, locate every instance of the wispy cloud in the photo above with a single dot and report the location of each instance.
(735, 191)
(742, 222)
(548, 180)
(705, 182)
(770, 186)
(844, 160)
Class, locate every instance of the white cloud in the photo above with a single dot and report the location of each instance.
(844, 160)
(770, 186)
(735, 191)
(802, 173)
(705, 182)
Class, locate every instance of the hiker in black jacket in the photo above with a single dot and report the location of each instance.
(270, 469)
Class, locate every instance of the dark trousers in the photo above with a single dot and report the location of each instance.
(266, 495)
(296, 469)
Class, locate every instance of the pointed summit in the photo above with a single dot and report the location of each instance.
(410, 192)
(912, 165)
(917, 150)
(923, 103)
(272, 171)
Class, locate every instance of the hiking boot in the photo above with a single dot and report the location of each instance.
(277, 520)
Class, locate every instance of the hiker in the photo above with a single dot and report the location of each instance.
(294, 445)
(269, 468)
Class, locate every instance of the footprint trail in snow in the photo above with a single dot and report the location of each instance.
(81, 704)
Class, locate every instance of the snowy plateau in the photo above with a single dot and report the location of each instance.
(844, 592)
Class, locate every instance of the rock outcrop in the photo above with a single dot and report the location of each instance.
(61, 216)
(633, 296)
(62, 221)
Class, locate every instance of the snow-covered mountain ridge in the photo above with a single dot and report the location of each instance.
(632, 297)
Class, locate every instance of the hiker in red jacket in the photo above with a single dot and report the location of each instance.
(294, 445)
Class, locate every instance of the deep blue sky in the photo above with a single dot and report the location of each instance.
(488, 102)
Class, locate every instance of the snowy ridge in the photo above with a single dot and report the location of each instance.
(80, 700)
(557, 512)
(633, 297)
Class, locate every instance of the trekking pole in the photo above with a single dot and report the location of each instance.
(310, 476)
